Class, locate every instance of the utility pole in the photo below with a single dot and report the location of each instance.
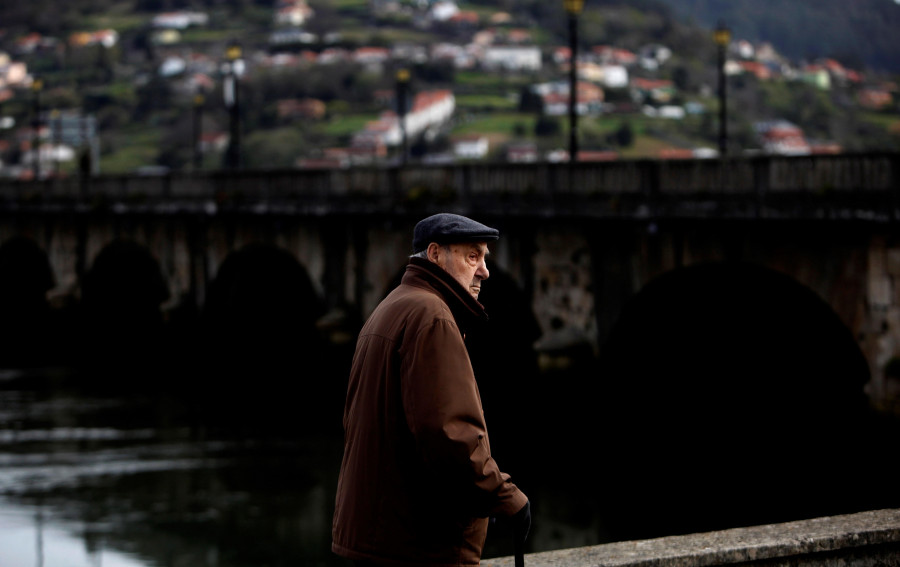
(573, 9)
(199, 100)
(234, 67)
(402, 106)
(722, 37)
(36, 87)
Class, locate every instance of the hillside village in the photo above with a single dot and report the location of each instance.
(44, 141)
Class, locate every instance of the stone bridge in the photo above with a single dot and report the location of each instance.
(579, 240)
(732, 322)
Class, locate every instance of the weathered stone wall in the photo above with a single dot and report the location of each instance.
(866, 539)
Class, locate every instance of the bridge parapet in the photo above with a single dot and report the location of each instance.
(865, 539)
(833, 186)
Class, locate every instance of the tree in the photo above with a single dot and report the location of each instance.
(547, 126)
(530, 101)
(624, 136)
(273, 149)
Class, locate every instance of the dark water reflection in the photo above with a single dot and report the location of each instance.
(138, 476)
(136, 479)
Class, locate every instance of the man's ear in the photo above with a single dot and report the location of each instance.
(433, 251)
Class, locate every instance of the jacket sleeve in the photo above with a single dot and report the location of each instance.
(443, 410)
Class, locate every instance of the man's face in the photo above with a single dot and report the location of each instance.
(464, 262)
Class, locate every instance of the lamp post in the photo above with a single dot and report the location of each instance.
(573, 9)
(722, 37)
(233, 68)
(402, 96)
(199, 101)
(36, 87)
(57, 121)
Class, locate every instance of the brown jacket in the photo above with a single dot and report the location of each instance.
(417, 481)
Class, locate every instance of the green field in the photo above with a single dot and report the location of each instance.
(347, 124)
(130, 150)
(486, 101)
(505, 123)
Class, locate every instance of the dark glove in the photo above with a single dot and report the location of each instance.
(521, 522)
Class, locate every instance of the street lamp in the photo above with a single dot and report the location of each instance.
(36, 86)
(573, 9)
(199, 101)
(722, 37)
(402, 78)
(233, 69)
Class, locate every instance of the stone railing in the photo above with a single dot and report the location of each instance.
(865, 539)
(832, 186)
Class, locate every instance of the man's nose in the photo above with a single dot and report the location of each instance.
(482, 271)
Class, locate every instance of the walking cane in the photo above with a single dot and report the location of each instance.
(520, 534)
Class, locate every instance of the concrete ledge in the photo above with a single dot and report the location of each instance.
(863, 539)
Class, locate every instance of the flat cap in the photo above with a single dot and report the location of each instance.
(447, 228)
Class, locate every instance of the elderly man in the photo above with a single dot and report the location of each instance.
(417, 482)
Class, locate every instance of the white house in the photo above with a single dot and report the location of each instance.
(615, 76)
(180, 20)
(172, 66)
(430, 109)
(512, 57)
(293, 13)
(470, 147)
(608, 75)
(524, 152)
(653, 56)
(443, 10)
(459, 56)
(669, 111)
(782, 137)
(14, 73)
(371, 55)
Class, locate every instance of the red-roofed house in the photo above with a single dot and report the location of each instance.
(464, 17)
(759, 70)
(782, 137)
(658, 90)
(874, 99)
(610, 54)
(370, 55)
(106, 38)
(429, 109)
(293, 12)
(310, 108)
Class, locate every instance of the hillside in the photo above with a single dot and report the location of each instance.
(860, 33)
(301, 99)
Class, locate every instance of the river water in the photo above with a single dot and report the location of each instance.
(90, 479)
(146, 478)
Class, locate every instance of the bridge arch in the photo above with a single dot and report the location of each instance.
(260, 351)
(730, 394)
(25, 278)
(261, 296)
(119, 314)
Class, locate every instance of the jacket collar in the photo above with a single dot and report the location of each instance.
(465, 308)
